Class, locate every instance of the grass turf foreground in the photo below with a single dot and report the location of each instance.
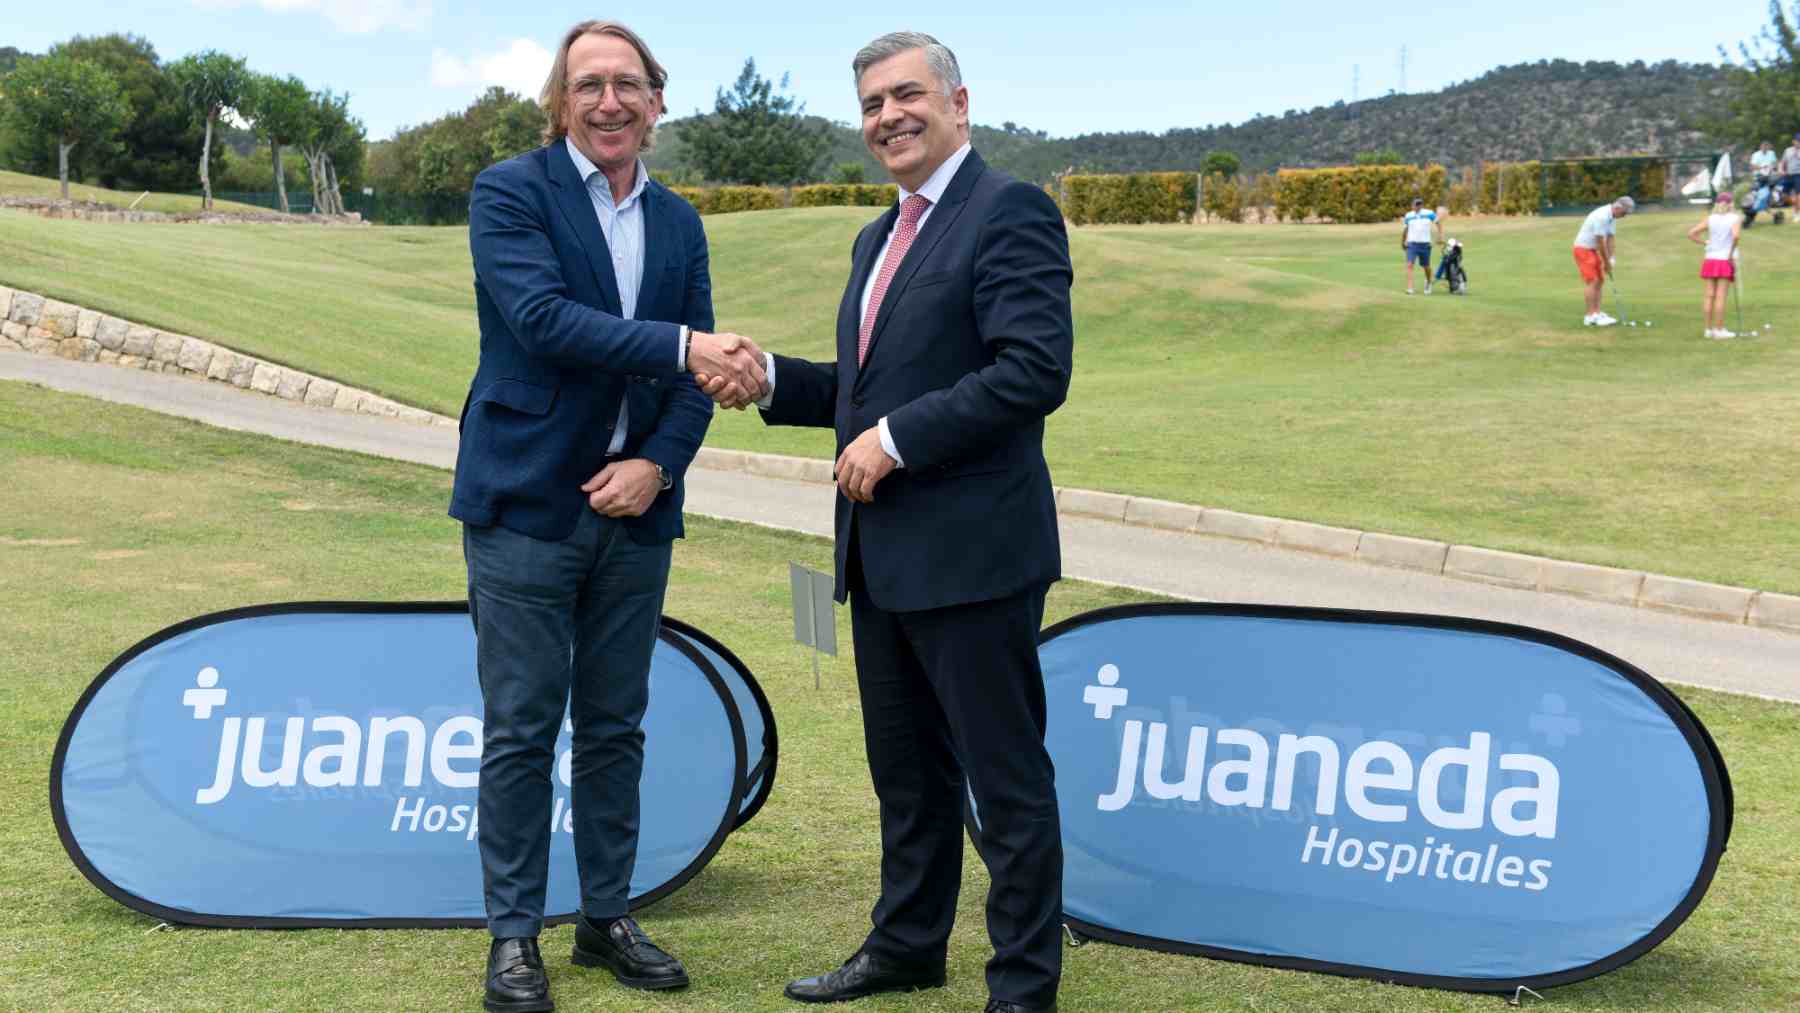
(115, 523)
(1271, 369)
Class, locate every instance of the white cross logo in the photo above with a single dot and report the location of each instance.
(1107, 695)
(204, 697)
(1554, 722)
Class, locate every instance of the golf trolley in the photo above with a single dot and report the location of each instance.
(1765, 194)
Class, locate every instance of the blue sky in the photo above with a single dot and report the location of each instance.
(1050, 65)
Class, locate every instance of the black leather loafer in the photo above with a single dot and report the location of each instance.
(516, 982)
(865, 974)
(622, 948)
(1002, 1006)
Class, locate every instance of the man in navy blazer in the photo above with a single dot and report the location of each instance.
(955, 341)
(594, 299)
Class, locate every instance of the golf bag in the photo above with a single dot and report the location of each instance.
(1451, 268)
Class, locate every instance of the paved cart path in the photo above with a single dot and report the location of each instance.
(1697, 652)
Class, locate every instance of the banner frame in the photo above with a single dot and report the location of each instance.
(765, 768)
(177, 916)
(1714, 776)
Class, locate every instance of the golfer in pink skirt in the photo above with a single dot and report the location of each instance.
(1719, 232)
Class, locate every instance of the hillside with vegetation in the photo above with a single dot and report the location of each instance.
(1554, 108)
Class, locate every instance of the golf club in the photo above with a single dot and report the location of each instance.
(1737, 298)
(1619, 301)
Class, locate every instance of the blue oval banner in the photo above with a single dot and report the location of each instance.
(317, 764)
(1424, 800)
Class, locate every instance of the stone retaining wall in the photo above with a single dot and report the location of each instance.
(95, 212)
(34, 323)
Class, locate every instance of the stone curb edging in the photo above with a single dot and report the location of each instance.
(1744, 606)
(34, 323)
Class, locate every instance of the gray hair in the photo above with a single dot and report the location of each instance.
(1627, 203)
(938, 57)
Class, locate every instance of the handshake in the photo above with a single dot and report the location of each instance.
(728, 367)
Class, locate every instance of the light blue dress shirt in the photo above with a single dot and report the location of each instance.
(623, 225)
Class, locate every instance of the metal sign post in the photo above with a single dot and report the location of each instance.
(815, 618)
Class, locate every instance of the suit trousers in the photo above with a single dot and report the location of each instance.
(952, 696)
(566, 625)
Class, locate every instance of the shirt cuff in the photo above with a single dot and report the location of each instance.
(768, 368)
(681, 351)
(887, 443)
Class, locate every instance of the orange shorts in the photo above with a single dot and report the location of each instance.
(1589, 262)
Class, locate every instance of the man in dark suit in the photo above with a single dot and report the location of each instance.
(594, 299)
(954, 342)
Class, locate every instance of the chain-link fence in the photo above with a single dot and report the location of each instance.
(382, 209)
(298, 203)
(402, 209)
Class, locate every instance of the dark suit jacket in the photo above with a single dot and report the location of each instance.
(557, 360)
(972, 348)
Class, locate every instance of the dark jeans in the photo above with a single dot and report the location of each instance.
(567, 624)
(952, 695)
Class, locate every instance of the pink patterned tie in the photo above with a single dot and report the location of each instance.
(911, 209)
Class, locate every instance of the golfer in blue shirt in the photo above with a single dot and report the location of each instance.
(1420, 223)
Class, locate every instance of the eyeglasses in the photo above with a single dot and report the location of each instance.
(626, 88)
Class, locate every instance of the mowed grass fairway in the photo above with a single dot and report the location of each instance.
(1278, 370)
(115, 523)
(18, 184)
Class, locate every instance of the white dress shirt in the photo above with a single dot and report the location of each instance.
(933, 191)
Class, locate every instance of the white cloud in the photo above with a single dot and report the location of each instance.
(449, 72)
(521, 67)
(357, 17)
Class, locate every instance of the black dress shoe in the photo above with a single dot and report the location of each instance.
(621, 947)
(865, 974)
(516, 982)
(1002, 1006)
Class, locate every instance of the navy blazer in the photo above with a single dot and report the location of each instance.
(557, 359)
(973, 346)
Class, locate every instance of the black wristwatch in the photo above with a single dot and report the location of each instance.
(663, 478)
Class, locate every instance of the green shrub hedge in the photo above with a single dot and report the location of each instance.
(1361, 193)
(1130, 200)
(861, 195)
(1460, 198)
(1223, 196)
(1509, 188)
(720, 200)
(1518, 188)
(698, 196)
